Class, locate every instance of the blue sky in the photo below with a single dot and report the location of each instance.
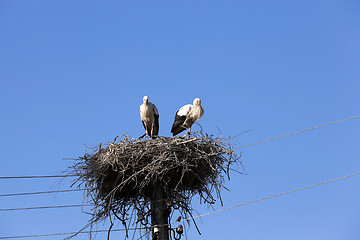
(73, 74)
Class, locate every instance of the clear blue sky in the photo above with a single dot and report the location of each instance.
(73, 74)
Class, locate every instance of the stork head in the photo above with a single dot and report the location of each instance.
(146, 99)
(197, 101)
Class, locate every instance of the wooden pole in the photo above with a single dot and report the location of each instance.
(160, 214)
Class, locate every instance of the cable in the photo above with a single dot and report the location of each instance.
(58, 234)
(289, 134)
(205, 214)
(34, 193)
(273, 196)
(49, 176)
(146, 233)
(43, 207)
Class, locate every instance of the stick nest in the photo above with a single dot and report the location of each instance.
(124, 174)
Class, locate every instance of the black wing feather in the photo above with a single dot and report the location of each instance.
(177, 125)
(155, 132)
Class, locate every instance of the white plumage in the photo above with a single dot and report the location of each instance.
(150, 118)
(186, 116)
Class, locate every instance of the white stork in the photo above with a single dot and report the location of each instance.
(150, 118)
(186, 116)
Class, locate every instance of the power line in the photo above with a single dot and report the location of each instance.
(273, 196)
(46, 176)
(48, 207)
(289, 134)
(146, 233)
(59, 234)
(34, 193)
(43, 207)
(205, 214)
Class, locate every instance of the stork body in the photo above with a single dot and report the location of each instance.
(186, 116)
(150, 118)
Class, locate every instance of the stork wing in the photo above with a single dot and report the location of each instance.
(155, 131)
(155, 110)
(177, 125)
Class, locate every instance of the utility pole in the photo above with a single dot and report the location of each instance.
(160, 213)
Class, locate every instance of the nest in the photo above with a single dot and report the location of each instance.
(123, 176)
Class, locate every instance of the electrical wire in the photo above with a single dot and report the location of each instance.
(289, 134)
(58, 234)
(201, 215)
(46, 176)
(273, 196)
(146, 233)
(34, 193)
(44, 207)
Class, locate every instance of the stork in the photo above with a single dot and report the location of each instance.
(186, 116)
(150, 118)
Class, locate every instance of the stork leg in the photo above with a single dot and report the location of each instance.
(145, 134)
(152, 130)
(189, 132)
